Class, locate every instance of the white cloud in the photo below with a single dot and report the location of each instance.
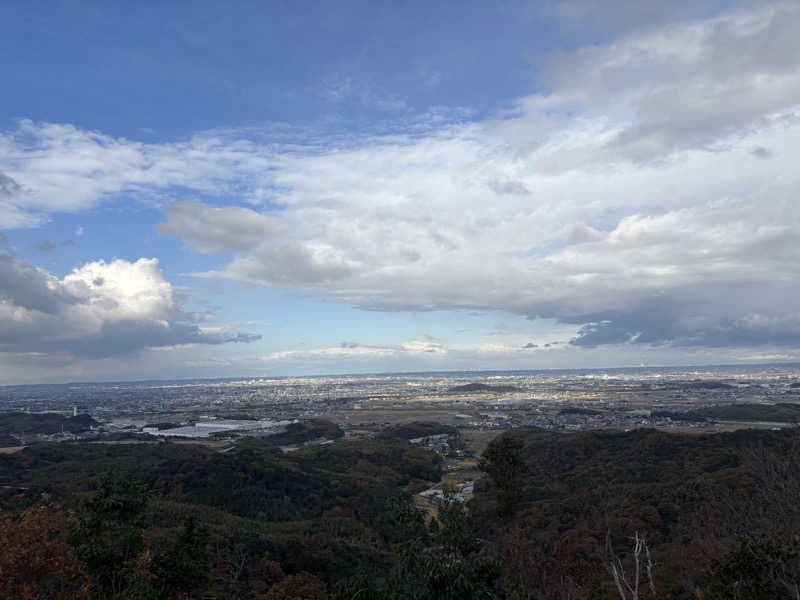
(412, 349)
(100, 309)
(649, 95)
(60, 168)
(661, 248)
(405, 351)
(413, 356)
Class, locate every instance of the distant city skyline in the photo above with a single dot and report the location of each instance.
(258, 190)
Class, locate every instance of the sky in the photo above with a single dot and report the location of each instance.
(205, 189)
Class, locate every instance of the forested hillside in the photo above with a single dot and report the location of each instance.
(556, 516)
(574, 505)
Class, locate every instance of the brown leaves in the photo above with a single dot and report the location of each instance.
(36, 562)
(302, 586)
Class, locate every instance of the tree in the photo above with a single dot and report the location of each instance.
(184, 566)
(109, 540)
(445, 563)
(503, 461)
(629, 585)
(302, 586)
(230, 566)
(536, 567)
(450, 566)
(263, 575)
(36, 562)
(757, 569)
(455, 533)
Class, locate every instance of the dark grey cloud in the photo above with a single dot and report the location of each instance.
(68, 243)
(531, 345)
(745, 314)
(46, 246)
(128, 336)
(591, 335)
(25, 286)
(3, 238)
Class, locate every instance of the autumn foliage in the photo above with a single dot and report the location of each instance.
(303, 586)
(36, 562)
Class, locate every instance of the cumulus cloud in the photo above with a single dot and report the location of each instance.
(100, 309)
(646, 196)
(24, 287)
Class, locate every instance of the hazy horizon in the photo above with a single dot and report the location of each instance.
(722, 368)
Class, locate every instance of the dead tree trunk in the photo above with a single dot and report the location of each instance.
(629, 587)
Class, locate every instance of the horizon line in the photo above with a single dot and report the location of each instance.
(408, 373)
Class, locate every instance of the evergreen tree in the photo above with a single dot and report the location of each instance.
(443, 563)
(757, 569)
(184, 566)
(503, 461)
(109, 540)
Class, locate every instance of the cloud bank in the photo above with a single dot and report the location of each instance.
(647, 195)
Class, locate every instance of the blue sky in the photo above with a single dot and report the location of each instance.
(158, 71)
(196, 189)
